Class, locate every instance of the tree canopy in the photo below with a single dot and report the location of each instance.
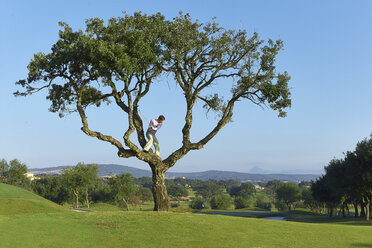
(118, 62)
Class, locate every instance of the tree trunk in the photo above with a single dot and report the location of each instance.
(87, 197)
(343, 210)
(126, 204)
(330, 211)
(367, 211)
(76, 193)
(159, 190)
(356, 213)
(362, 212)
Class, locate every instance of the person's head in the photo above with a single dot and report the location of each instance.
(161, 118)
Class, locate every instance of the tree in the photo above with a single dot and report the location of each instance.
(144, 194)
(89, 178)
(120, 61)
(17, 174)
(263, 202)
(197, 203)
(241, 202)
(123, 188)
(363, 152)
(73, 181)
(208, 190)
(222, 201)
(79, 179)
(288, 193)
(272, 186)
(244, 190)
(177, 191)
(4, 169)
(51, 188)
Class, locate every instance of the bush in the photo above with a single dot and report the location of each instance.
(263, 203)
(241, 202)
(197, 203)
(221, 202)
(280, 205)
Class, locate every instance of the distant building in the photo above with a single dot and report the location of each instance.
(259, 187)
(31, 176)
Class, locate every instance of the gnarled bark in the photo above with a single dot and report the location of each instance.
(159, 190)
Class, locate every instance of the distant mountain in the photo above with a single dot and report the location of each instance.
(106, 169)
(243, 177)
(258, 170)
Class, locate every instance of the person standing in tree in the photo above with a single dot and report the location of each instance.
(154, 125)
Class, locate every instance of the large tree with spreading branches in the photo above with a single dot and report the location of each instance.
(119, 61)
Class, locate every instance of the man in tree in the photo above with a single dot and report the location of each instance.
(154, 125)
(119, 63)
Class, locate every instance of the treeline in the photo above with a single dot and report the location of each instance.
(347, 181)
(14, 173)
(81, 185)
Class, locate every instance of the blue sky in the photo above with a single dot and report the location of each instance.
(327, 52)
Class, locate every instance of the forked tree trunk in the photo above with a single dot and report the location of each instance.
(159, 190)
(76, 193)
(126, 203)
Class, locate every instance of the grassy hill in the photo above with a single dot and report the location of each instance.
(15, 200)
(36, 222)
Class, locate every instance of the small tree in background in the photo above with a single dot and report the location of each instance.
(241, 202)
(177, 191)
(123, 188)
(245, 190)
(222, 201)
(14, 173)
(197, 203)
(4, 170)
(209, 189)
(89, 178)
(289, 193)
(79, 179)
(73, 181)
(51, 188)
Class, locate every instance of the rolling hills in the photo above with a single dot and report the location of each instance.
(106, 169)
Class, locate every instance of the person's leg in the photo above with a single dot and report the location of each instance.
(156, 145)
(148, 145)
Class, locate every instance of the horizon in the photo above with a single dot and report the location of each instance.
(327, 52)
(265, 172)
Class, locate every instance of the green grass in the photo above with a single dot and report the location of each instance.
(111, 227)
(14, 200)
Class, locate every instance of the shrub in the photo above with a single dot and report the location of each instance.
(241, 202)
(221, 202)
(264, 203)
(197, 203)
(280, 205)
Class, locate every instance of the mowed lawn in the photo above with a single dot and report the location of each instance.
(59, 227)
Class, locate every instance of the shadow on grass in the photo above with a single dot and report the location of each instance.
(311, 217)
(251, 214)
(295, 216)
(361, 245)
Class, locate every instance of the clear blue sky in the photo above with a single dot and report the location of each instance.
(327, 51)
